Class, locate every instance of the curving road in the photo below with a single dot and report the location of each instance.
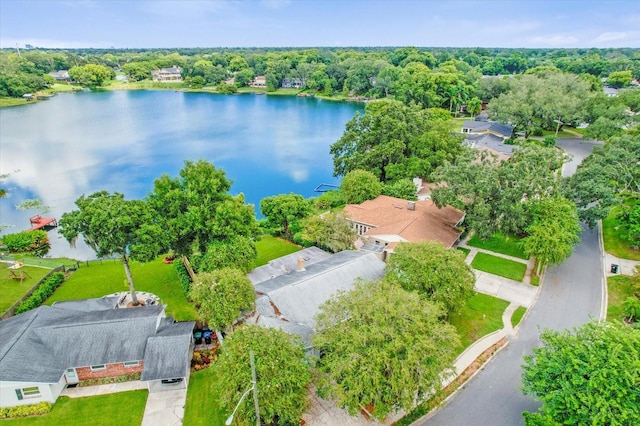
(571, 294)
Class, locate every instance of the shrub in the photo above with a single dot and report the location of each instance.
(183, 275)
(25, 410)
(42, 293)
(403, 188)
(34, 242)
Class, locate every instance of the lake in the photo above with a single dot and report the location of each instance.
(74, 144)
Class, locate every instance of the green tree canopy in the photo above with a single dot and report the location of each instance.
(438, 273)
(112, 225)
(554, 232)
(358, 186)
(394, 141)
(494, 194)
(382, 347)
(330, 231)
(608, 171)
(620, 78)
(403, 188)
(221, 295)
(282, 375)
(586, 377)
(196, 209)
(235, 252)
(91, 74)
(284, 210)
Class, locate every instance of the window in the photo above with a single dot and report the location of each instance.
(98, 367)
(129, 364)
(30, 392)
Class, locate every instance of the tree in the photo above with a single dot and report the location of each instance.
(282, 374)
(112, 225)
(403, 188)
(438, 273)
(608, 171)
(394, 141)
(494, 194)
(330, 231)
(220, 296)
(236, 252)
(474, 106)
(588, 376)
(284, 210)
(382, 348)
(91, 74)
(196, 209)
(358, 186)
(619, 79)
(554, 232)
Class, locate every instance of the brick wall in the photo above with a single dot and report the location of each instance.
(111, 370)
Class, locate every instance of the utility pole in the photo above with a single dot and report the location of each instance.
(255, 387)
(18, 49)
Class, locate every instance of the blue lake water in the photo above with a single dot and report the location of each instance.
(76, 144)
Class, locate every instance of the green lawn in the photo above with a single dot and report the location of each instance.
(270, 248)
(7, 101)
(105, 277)
(614, 241)
(500, 244)
(202, 407)
(456, 124)
(517, 315)
(619, 289)
(499, 266)
(481, 315)
(12, 290)
(465, 250)
(115, 409)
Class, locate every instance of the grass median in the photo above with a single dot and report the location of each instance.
(499, 266)
(503, 244)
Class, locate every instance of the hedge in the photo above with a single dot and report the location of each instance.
(42, 293)
(25, 410)
(34, 242)
(183, 275)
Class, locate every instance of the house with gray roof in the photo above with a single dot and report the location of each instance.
(487, 127)
(47, 348)
(291, 301)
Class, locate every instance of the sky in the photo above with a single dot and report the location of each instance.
(315, 23)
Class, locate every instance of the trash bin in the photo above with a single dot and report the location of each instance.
(614, 268)
(198, 337)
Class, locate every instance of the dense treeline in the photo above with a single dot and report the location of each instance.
(442, 77)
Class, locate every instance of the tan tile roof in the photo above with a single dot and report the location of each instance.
(391, 216)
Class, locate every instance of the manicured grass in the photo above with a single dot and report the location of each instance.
(12, 290)
(500, 244)
(465, 250)
(202, 407)
(115, 409)
(7, 102)
(480, 316)
(100, 278)
(145, 84)
(270, 248)
(455, 124)
(499, 266)
(614, 241)
(517, 315)
(619, 288)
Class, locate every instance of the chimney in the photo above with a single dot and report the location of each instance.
(411, 205)
(301, 265)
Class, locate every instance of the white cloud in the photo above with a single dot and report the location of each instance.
(553, 40)
(611, 36)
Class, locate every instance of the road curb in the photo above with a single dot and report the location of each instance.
(605, 292)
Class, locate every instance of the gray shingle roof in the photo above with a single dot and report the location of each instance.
(40, 344)
(488, 140)
(168, 353)
(87, 305)
(298, 295)
(285, 264)
(481, 126)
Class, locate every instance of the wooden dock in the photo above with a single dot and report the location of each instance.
(39, 222)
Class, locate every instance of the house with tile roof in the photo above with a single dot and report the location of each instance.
(47, 348)
(386, 221)
(290, 301)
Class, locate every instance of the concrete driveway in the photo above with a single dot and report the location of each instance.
(165, 408)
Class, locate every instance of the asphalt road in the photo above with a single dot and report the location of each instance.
(570, 295)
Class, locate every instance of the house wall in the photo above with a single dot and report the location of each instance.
(49, 392)
(111, 370)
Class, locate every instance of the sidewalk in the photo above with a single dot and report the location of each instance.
(626, 266)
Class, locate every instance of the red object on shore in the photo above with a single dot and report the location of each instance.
(38, 222)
